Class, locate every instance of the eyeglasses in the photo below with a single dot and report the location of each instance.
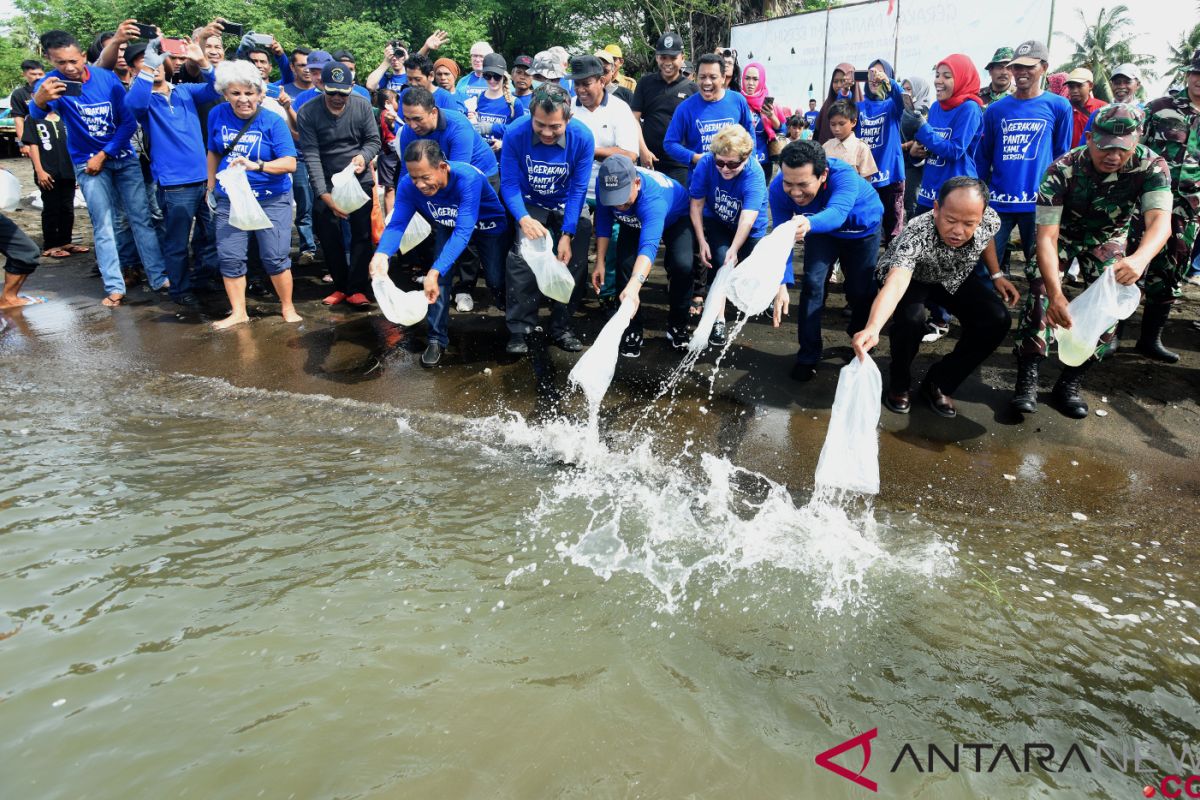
(723, 164)
(491, 76)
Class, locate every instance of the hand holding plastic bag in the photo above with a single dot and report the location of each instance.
(348, 194)
(850, 458)
(418, 230)
(1098, 308)
(402, 308)
(244, 211)
(553, 278)
(10, 191)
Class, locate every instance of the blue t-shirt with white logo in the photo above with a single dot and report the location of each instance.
(266, 139)
(497, 112)
(951, 137)
(1020, 139)
(660, 202)
(696, 121)
(879, 126)
(725, 200)
(96, 119)
(552, 176)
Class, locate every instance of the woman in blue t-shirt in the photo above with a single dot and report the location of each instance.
(243, 134)
(492, 111)
(728, 210)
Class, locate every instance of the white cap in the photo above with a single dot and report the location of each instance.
(1129, 71)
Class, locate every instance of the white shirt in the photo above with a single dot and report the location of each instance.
(612, 125)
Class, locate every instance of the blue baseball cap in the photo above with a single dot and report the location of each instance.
(317, 59)
(614, 181)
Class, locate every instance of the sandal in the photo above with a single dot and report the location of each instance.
(77, 248)
(55, 252)
(113, 300)
(697, 307)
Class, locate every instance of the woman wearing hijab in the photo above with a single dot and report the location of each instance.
(879, 116)
(949, 137)
(841, 87)
(768, 122)
(1058, 83)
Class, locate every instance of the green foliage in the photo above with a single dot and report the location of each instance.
(1180, 57)
(12, 52)
(364, 40)
(1105, 44)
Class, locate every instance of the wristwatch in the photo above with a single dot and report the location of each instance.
(641, 278)
(260, 164)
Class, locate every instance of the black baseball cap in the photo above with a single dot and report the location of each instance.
(669, 44)
(523, 61)
(585, 67)
(614, 181)
(494, 64)
(336, 77)
(344, 55)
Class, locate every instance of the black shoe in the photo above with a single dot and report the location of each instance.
(803, 372)
(678, 337)
(717, 336)
(941, 404)
(569, 342)
(1149, 344)
(1066, 391)
(516, 345)
(187, 300)
(898, 402)
(432, 354)
(631, 344)
(1024, 399)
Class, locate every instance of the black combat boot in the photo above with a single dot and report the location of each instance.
(1066, 391)
(1024, 399)
(1149, 344)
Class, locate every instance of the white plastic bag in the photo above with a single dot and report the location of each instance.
(850, 458)
(416, 232)
(553, 278)
(714, 304)
(1097, 309)
(244, 211)
(10, 191)
(593, 372)
(402, 308)
(348, 194)
(755, 283)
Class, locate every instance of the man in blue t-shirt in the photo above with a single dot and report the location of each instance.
(811, 115)
(698, 118)
(1022, 134)
(842, 219)
(424, 119)
(472, 84)
(464, 211)
(91, 102)
(546, 162)
(651, 209)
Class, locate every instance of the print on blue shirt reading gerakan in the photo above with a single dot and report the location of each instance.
(708, 128)
(1020, 138)
(99, 119)
(546, 177)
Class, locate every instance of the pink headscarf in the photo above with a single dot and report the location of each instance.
(756, 100)
(1058, 83)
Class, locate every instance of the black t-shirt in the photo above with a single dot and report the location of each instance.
(50, 139)
(622, 93)
(657, 100)
(20, 99)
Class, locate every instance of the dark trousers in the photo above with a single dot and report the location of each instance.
(490, 252)
(467, 273)
(858, 257)
(1026, 225)
(58, 213)
(677, 241)
(892, 197)
(181, 206)
(22, 252)
(521, 308)
(349, 271)
(984, 320)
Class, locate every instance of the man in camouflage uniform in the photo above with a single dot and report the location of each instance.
(1084, 208)
(1173, 131)
(1001, 85)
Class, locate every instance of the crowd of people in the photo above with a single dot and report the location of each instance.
(905, 191)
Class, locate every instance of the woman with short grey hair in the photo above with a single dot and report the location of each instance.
(239, 134)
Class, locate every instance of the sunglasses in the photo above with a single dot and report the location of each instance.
(723, 164)
(491, 76)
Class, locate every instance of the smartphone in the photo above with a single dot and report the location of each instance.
(273, 90)
(74, 88)
(232, 28)
(861, 76)
(175, 47)
(146, 31)
(263, 38)
(768, 101)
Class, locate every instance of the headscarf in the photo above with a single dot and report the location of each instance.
(887, 70)
(922, 94)
(966, 82)
(450, 65)
(756, 100)
(824, 133)
(1057, 83)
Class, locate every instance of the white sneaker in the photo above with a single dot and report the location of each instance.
(464, 302)
(933, 332)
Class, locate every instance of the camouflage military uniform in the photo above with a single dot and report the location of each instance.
(1173, 131)
(988, 96)
(1094, 212)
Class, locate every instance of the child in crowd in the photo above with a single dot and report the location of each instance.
(797, 129)
(55, 176)
(843, 116)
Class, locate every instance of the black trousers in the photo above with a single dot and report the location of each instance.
(58, 213)
(466, 275)
(349, 270)
(677, 243)
(984, 320)
(22, 251)
(521, 310)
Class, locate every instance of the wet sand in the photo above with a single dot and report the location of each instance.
(1133, 469)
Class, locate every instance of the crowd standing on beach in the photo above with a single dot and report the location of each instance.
(906, 191)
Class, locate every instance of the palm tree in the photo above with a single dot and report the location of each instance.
(1103, 46)
(1181, 54)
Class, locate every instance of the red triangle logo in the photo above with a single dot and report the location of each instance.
(863, 741)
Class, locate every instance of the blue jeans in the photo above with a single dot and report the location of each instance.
(492, 252)
(181, 205)
(1024, 222)
(118, 184)
(858, 258)
(302, 191)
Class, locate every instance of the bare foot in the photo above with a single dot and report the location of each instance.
(290, 315)
(113, 300)
(20, 300)
(230, 321)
